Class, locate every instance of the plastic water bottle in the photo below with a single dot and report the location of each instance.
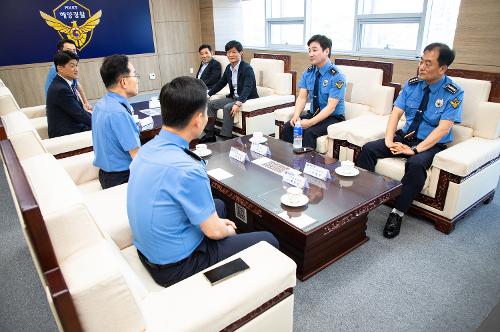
(297, 135)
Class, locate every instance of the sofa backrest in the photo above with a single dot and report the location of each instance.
(7, 101)
(269, 73)
(475, 92)
(222, 60)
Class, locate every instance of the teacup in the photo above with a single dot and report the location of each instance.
(258, 136)
(294, 194)
(347, 166)
(201, 147)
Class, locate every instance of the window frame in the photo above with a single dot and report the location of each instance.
(285, 21)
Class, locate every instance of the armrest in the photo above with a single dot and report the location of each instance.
(68, 143)
(80, 167)
(267, 101)
(467, 156)
(270, 273)
(35, 111)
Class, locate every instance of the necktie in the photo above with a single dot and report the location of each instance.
(75, 91)
(413, 129)
(315, 108)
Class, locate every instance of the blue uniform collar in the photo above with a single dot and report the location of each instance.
(435, 86)
(325, 68)
(173, 138)
(118, 98)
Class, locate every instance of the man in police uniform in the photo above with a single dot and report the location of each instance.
(114, 132)
(325, 85)
(176, 226)
(431, 103)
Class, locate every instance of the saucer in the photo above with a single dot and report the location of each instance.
(203, 153)
(302, 201)
(262, 140)
(344, 172)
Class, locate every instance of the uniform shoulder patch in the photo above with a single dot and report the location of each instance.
(451, 88)
(333, 71)
(455, 102)
(413, 80)
(311, 67)
(339, 84)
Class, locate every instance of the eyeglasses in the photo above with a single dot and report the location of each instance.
(136, 75)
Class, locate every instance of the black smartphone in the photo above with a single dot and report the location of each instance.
(302, 150)
(225, 271)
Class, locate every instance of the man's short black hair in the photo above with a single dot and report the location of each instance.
(60, 44)
(112, 68)
(181, 99)
(205, 46)
(446, 54)
(234, 43)
(63, 57)
(323, 41)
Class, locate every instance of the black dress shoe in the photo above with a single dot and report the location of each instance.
(207, 139)
(392, 226)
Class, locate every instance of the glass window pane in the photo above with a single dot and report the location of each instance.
(287, 34)
(443, 21)
(339, 28)
(366, 7)
(285, 8)
(254, 23)
(400, 36)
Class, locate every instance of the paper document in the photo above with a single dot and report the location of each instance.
(219, 174)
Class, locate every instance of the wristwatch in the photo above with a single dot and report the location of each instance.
(414, 149)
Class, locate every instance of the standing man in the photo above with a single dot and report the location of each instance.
(66, 45)
(242, 86)
(114, 132)
(177, 227)
(431, 103)
(65, 112)
(324, 85)
(210, 69)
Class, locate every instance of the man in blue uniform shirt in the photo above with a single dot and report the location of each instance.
(324, 86)
(431, 103)
(176, 226)
(114, 132)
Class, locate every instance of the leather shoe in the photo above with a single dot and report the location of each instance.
(392, 226)
(207, 139)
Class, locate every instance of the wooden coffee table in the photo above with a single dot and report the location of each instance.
(331, 225)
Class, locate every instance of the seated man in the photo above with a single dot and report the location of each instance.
(114, 132)
(210, 69)
(66, 45)
(325, 85)
(177, 227)
(65, 112)
(431, 103)
(242, 86)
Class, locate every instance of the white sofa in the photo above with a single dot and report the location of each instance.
(107, 288)
(365, 96)
(462, 176)
(274, 86)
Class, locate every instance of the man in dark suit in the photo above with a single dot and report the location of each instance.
(65, 112)
(210, 69)
(242, 86)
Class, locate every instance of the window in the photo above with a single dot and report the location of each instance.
(392, 28)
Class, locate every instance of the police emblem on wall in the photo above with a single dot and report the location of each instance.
(73, 21)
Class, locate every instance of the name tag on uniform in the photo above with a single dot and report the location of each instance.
(317, 171)
(260, 149)
(238, 155)
(294, 179)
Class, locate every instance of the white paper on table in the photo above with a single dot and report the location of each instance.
(219, 174)
(301, 221)
(151, 111)
(154, 103)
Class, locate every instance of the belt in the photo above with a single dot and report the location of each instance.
(158, 267)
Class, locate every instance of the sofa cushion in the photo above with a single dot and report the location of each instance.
(80, 167)
(360, 130)
(487, 120)
(475, 92)
(354, 110)
(41, 126)
(130, 255)
(264, 91)
(394, 168)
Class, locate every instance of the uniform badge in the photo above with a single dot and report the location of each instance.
(413, 80)
(333, 71)
(451, 88)
(455, 102)
(439, 102)
(325, 82)
(311, 67)
(339, 84)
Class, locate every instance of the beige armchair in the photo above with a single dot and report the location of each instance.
(465, 174)
(368, 93)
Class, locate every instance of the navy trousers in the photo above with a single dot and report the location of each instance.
(111, 179)
(310, 134)
(206, 254)
(415, 168)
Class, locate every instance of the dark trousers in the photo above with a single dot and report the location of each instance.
(206, 254)
(415, 168)
(227, 121)
(310, 134)
(111, 179)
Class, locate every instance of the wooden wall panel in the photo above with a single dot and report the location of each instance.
(174, 65)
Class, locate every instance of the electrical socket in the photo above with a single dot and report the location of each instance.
(191, 70)
(152, 76)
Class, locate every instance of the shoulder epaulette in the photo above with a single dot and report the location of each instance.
(451, 88)
(333, 71)
(311, 67)
(192, 154)
(413, 80)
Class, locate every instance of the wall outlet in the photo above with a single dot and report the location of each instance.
(191, 70)
(152, 76)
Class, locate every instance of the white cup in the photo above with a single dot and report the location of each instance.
(294, 194)
(347, 165)
(258, 135)
(201, 147)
